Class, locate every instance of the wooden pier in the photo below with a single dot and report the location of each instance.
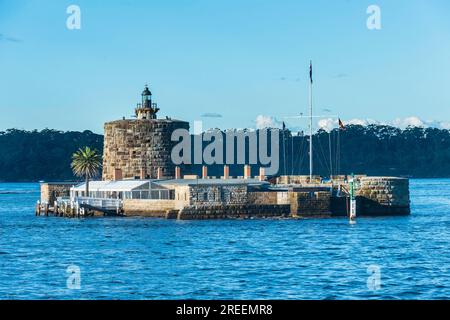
(81, 207)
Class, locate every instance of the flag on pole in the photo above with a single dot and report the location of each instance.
(310, 71)
(341, 124)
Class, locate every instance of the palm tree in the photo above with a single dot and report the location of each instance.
(86, 163)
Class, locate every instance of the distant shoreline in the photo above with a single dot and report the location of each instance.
(415, 153)
(68, 181)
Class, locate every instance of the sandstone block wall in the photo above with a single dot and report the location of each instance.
(310, 203)
(210, 195)
(383, 196)
(387, 191)
(148, 208)
(233, 212)
(264, 197)
(299, 180)
(133, 145)
(283, 197)
(51, 191)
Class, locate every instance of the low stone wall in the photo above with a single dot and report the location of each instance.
(385, 190)
(51, 191)
(370, 208)
(310, 204)
(148, 208)
(217, 194)
(233, 212)
(299, 180)
(283, 197)
(263, 197)
(376, 196)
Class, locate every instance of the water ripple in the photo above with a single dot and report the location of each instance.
(138, 258)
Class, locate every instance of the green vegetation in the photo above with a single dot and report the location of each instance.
(374, 150)
(42, 155)
(86, 163)
(386, 150)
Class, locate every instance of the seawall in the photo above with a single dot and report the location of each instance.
(219, 199)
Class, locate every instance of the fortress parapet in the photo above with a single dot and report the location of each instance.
(383, 196)
(375, 196)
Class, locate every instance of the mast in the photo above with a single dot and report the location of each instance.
(310, 124)
(331, 155)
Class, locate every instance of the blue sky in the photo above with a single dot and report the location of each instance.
(239, 59)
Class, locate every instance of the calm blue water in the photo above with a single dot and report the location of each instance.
(134, 258)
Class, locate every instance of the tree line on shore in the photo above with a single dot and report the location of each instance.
(373, 150)
(386, 150)
(42, 155)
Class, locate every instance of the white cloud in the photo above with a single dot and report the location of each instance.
(362, 122)
(267, 122)
(409, 121)
(441, 125)
(329, 124)
(417, 122)
(401, 123)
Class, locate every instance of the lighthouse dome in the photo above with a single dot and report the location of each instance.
(146, 91)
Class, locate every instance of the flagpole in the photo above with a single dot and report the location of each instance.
(310, 124)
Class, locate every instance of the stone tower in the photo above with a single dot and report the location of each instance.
(140, 148)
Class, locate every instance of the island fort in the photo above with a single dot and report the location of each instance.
(140, 178)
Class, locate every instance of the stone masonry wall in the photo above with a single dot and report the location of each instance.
(302, 180)
(148, 208)
(210, 195)
(310, 204)
(383, 196)
(263, 197)
(133, 145)
(51, 191)
(385, 190)
(233, 212)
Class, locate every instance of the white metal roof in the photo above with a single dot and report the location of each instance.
(211, 181)
(129, 185)
(121, 185)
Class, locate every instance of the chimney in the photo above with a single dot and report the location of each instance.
(247, 172)
(204, 172)
(226, 172)
(177, 172)
(159, 173)
(117, 174)
(143, 174)
(262, 174)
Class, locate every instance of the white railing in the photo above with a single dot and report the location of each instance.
(94, 202)
(160, 194)
(157, 194)
(100, 203)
